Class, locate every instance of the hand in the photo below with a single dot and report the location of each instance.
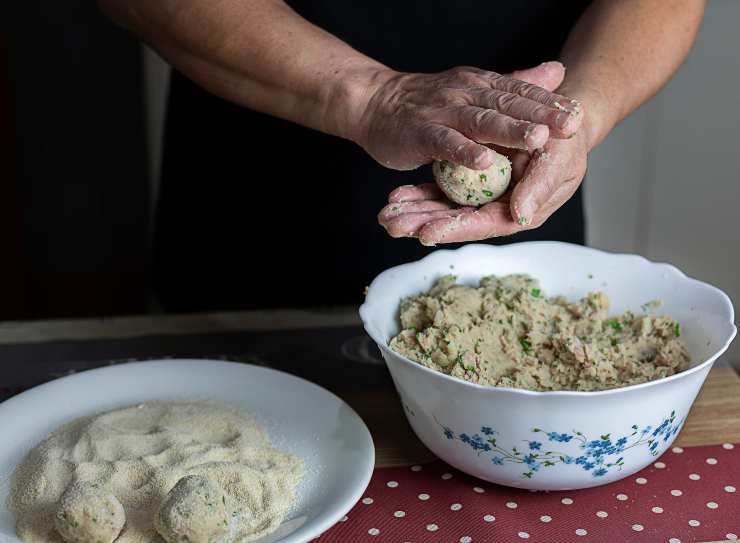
(413, 119)
(544, 181)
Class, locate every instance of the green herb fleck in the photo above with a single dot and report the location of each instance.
(536, 292)
(487, 193)
(677, 329)
(483, 178)
(614, 342)
(526, 345)
(503, 171)
(523, 221)
(615, 324)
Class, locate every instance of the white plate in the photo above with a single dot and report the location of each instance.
(301, 418)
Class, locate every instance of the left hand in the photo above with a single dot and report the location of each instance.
(542, 181)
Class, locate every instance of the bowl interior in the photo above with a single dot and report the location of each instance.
(705, 312)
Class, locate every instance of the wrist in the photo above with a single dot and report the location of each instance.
(598, 114)
(350, 94)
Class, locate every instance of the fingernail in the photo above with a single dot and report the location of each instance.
(526, 211)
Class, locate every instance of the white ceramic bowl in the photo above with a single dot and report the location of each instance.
(580, 439)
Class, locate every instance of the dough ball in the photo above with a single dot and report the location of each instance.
(473, 187)
(194, 511)
(89, 514)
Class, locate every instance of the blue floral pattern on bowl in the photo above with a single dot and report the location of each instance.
(596, 456)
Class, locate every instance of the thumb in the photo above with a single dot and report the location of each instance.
(548, 75)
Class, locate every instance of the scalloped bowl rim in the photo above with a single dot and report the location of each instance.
(441, 254)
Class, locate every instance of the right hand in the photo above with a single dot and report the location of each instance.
(414, 119)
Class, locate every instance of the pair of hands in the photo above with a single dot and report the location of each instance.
(459, 115)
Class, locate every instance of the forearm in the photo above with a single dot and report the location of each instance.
(260, 54)
(620, 53)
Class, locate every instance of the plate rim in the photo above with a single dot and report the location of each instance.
(309, 531)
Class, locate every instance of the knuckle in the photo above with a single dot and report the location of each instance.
(479, 120)
(505, 101)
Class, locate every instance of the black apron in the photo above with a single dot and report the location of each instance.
(223, 240)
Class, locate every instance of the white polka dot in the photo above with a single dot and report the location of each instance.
(392, 484)
(731, 536)
(523, 535)
(423, 497)
(456, 506)
(367, 501)
(373, 531)
(694, 476)
(489, 518)
(545, 518)
(566, 501)
(622, 497)
(657, 509)
(676, 492)
(446, 476)
(466, 539)
(730, 488)
(641, 480)
(478, 489)
(638, 527)
(674, 540)
(602, 514)
(511, 505)
(432, 527)
(581, 531)
(711, 461)
(399, 514)
(677, 450)
(694, 523)
(712, 505)
(728, 446)
(659, 465)
(416, 468)
(343, 519)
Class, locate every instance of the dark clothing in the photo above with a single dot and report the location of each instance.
(221, 239)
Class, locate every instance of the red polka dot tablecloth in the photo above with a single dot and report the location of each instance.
(688, 495)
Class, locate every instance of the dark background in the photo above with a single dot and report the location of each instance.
(74, 196)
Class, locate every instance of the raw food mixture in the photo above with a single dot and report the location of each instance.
(139, 453)
(473, 187)
(507, 333)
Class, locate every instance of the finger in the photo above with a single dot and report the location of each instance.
(561, 122)
(541, 179)
(400, 208)
(493, 219)
(535, 93)
(408, 224)
(440, 142)
(548, 75)
(412, 193)
(489, 126)
(519, 161)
